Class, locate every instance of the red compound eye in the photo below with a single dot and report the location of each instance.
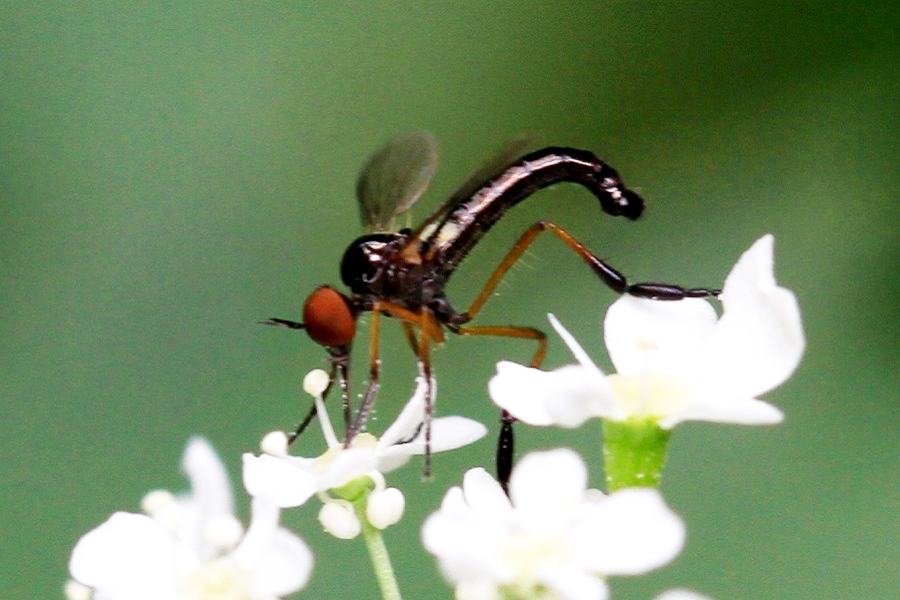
(328, 318)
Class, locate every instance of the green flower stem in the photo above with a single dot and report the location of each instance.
(381, 561)
(634, 453)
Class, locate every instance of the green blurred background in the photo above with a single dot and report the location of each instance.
(170, 174)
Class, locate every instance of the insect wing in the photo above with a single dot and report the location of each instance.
(394, 178)
(492, 168)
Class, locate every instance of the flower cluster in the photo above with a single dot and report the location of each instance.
(192, 546)
(552, 537)
(544, 534)
(290, 481)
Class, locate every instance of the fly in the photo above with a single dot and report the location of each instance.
(403, 273)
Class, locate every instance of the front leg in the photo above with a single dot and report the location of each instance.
(357, 425)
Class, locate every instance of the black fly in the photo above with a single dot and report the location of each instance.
(403, 274)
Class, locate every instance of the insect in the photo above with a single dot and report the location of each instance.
(403, 273)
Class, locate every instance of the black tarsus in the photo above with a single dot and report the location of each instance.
(665, 291)
(505, 450)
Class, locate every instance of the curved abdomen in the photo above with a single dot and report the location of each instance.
(462, 228)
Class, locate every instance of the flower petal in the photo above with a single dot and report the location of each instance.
(210, 497)
(210, 485)
(259, 534)
(131, 556)
(394, 457)
(276, 478)
(629, 532)
(759, 340)
(549, 482)
(715, 409)
(652, 335)
(349, 464)
(286, 566)
(572, 583)
(483, 493)
(465, 539)
(568, 396)
(447, 433)
(477, 590)
(411, 416)
(450, 433)
(280, 561)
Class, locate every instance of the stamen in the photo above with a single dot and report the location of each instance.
(316, 382)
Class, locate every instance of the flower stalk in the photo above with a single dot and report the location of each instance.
(357, 493)
(378, 553)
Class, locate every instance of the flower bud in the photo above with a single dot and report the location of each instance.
(164, 508)
(156, 501)
(337, 518)
(385, 508)
(77, 591)
(274, 443)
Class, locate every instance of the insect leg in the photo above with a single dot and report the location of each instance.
(354, 427)
(615, 280)
(422, 350)
(610, 276)
(429, 331)
(344, 375)
(424, 355)
(410, 332)
(529, 333)
(506, 441)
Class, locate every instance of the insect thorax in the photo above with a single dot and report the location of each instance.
(374, 268)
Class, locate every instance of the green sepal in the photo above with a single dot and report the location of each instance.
(354, 490)
(634, 453)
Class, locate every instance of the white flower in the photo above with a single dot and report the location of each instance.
(291, 480)
(552, 536)
(191, 547)
(676, 361)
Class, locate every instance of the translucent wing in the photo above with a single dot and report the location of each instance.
(490, 169)
(394, 178)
